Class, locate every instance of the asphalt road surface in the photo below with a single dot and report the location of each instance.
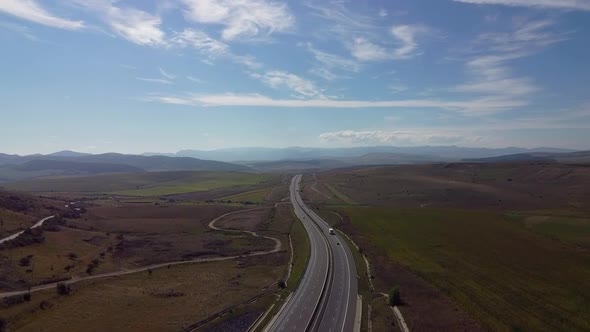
(327, 294)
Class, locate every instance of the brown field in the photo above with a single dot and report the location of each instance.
(118, 233)
(168, 300)
(248, 220)
(126, 236)
(474, 186)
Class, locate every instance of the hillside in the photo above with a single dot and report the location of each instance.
(16, 168)
(369, 159)
(65, 165)
(578, 157)
(143, 184)
(20, 210)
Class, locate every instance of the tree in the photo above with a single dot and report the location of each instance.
(3, 325)
(282, 284)
(63, 288)
(395, 296)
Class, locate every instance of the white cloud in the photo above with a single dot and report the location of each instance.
(194, 79)
(241, 18)
(200, 41)
(328, 64)
(491, 72)
(365, 50)
(528, 36)
(166, 74)
(334, 61)
(397, 137)
(302, 87)
(30, 10)
(468, 107)
(326, 74)
(406, 34)
(135, 25)
(155, 80)
(210, 47)
(559, 4)
(339, 21)
(382, 13)
(397, 88)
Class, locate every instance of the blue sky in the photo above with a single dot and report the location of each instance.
(133, 76)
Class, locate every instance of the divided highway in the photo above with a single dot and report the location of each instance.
(326, 298)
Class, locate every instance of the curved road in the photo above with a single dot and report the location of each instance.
(327, 294)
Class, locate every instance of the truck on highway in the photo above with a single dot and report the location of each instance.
(331, 231)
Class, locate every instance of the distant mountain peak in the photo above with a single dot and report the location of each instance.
(68, 153)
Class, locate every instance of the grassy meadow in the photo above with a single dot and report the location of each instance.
(254, 196)
(505, 275)
(143, 184)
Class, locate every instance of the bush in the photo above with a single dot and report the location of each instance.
(3, 324)
(395, 296)
(27, 297)
(25, 261)
(44, 305)
(63, 289)
(14, 300)
(26, 238)
(282, 284)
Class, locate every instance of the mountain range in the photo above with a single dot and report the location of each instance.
(64, 163)
(273, 154)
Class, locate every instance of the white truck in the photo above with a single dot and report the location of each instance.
(331, 231)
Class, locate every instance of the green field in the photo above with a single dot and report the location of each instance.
(565, 227)
(255, 196)
(340, 195)
(505, 275)
(300, 253)
(143, 184)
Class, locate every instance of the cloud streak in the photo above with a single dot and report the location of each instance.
(135, 25)
(365, 50)
(300, 86)
(468, 107)
(490, 70)
(30, 10)
(397, 137)
(557, 4)
(241, 19)
(155, 80)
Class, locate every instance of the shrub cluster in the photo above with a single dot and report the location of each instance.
(63, 288)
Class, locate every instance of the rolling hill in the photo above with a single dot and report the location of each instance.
(578, 157)
(15, 168)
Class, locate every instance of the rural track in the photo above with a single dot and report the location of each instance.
(15, 235)
(277, 248)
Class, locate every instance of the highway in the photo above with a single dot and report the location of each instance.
(326, 298)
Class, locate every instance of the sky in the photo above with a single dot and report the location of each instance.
(134, 76)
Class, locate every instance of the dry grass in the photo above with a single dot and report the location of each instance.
(126, 236)
(139, 302)
(471, 186)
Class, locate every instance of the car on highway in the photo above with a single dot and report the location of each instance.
(331, 231)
